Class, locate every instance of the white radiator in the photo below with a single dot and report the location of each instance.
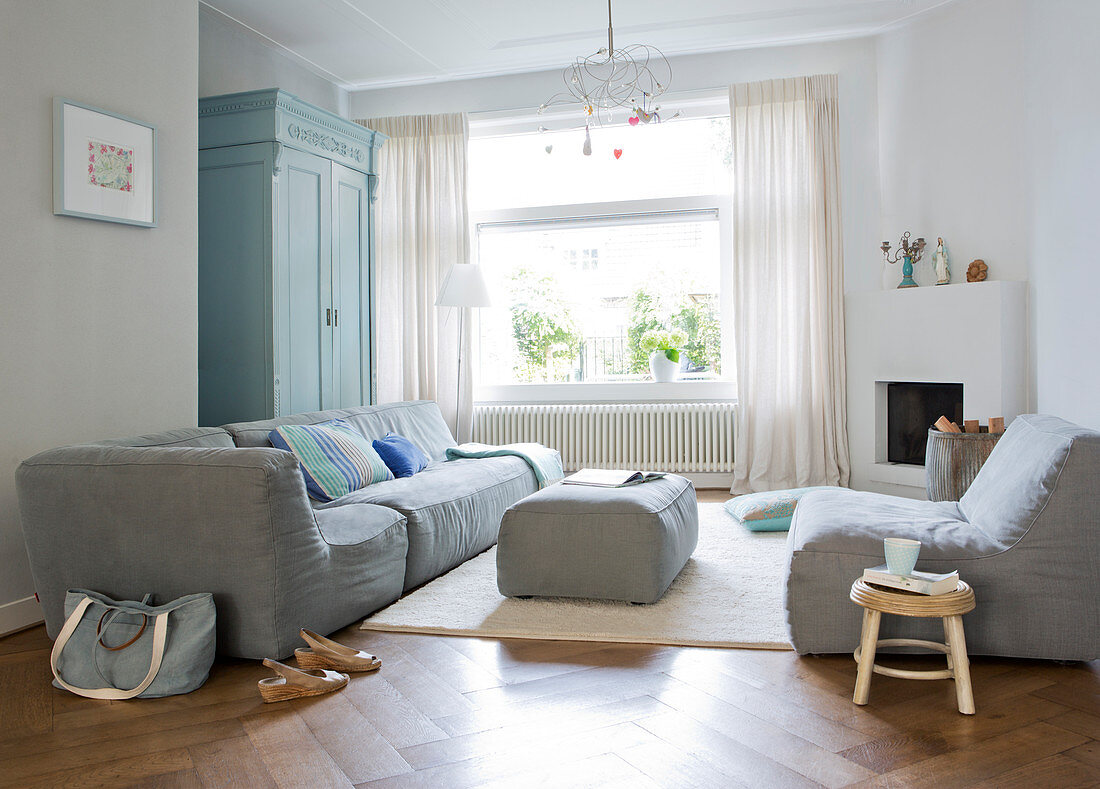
(679, 437)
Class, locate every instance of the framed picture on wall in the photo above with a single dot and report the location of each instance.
(104, 165)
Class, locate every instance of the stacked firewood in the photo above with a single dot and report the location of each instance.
(996, 425)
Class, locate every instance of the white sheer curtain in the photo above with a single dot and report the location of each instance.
(422, 230)
(789, 285)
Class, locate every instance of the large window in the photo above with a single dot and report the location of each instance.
(589, 258)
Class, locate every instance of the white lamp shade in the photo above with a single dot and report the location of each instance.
(464, 287)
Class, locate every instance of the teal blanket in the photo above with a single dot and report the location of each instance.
(545, 462)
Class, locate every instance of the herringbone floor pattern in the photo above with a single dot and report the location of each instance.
(457, 712)
(460, 712)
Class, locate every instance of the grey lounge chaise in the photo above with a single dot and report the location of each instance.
(219, 510)
(1025, 536)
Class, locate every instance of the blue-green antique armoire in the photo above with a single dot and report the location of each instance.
(286, 300)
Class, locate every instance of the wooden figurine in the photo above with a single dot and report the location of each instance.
(977, 271)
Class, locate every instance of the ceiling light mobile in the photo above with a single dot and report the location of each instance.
(631, 79)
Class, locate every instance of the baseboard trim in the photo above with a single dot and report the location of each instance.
(709, 480)
(19, 615)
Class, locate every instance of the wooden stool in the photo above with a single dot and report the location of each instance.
(877, 600)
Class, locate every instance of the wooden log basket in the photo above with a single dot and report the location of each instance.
(952, 460)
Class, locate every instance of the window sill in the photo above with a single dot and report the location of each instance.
(633, 392)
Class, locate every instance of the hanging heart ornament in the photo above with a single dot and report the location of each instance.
(633, 121)
(618, 152)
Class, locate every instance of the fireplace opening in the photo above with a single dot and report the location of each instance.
(912, 408)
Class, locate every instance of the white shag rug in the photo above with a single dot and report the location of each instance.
(730, 594)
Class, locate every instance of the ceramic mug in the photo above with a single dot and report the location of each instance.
(901, 555)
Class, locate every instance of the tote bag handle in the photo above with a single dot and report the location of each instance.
(160, 636)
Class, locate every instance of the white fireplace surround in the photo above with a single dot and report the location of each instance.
(969, 333)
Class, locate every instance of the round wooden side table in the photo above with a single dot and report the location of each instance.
(878, 600)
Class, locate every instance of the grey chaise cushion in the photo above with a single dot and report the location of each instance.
(357, 570)
(604, 543)
(453, 509)
(1026, 537)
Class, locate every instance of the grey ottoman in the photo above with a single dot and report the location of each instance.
(605, 543)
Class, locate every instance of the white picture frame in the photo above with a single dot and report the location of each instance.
(105, 165)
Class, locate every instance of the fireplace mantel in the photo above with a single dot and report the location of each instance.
(969, 333)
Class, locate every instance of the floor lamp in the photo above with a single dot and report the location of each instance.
(464, 287)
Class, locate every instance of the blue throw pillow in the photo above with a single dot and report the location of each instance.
(402, 456)
(334, 457)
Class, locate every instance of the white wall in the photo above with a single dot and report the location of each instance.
(852, 60)
(988, 118)
(97, 320)
(1062, 63)
(233, 58)
(951, 109)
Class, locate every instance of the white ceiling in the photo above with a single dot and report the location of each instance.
(362, 44)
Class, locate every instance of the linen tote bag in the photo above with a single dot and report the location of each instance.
(121, 649)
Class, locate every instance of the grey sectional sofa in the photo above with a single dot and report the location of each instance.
(1025, 536)
(219, 510)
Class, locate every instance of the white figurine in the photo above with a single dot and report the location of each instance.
(940, 264)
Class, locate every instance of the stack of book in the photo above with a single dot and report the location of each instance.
(917, 581)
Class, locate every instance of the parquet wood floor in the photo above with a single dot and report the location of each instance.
(463, 712)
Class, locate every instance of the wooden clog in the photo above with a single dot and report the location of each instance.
(294, 684)
(324, 653)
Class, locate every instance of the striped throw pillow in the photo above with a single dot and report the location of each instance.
(334, 456)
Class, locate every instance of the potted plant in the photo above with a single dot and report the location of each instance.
(664, 352)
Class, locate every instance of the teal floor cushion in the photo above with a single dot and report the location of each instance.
(768, 511)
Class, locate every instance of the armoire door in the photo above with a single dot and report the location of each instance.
(235, 284)
(304, 323)
(351, 286)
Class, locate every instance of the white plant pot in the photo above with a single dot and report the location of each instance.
(662, 367)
